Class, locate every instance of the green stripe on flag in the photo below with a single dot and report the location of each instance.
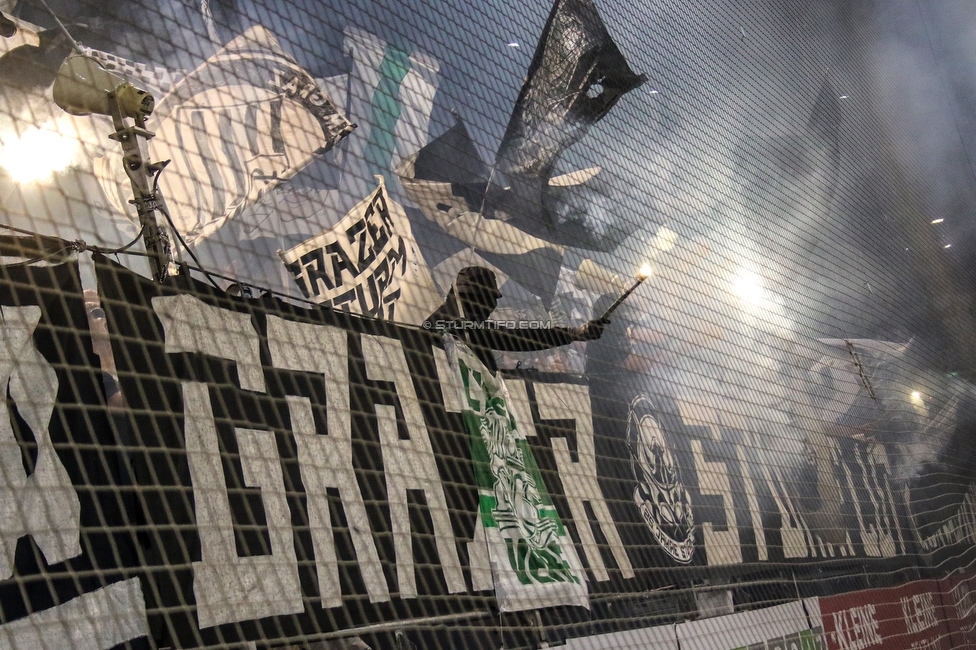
(385, 110)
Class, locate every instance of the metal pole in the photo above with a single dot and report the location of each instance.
(137, 168)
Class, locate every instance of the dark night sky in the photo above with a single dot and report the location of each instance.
(923, 56)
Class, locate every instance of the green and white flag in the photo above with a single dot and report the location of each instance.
(533, 560)
(390, 96)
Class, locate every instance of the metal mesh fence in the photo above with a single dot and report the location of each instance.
(386, 324)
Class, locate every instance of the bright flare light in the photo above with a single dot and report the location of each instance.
(37, 154)
(645, 272)
(748, 286)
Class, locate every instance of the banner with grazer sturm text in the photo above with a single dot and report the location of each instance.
(279, 474)
(533, 561)
(367, 264)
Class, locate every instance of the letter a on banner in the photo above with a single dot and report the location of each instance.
(533, 560)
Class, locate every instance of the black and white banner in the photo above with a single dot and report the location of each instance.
(294, 462)
(710, 488)
(246, 120)
(67, 530)
(367, 264)
(278, 474)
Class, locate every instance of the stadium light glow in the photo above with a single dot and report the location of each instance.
(37, 154)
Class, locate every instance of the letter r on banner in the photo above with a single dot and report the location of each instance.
(579, 479)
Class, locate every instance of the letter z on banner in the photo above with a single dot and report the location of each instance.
(367, 264)
(533, 560)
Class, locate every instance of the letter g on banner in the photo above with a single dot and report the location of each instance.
(44, 504)
(229, 588)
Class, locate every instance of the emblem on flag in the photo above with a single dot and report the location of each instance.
(534, 563)
(236, 127)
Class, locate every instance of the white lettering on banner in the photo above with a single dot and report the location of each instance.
(794, 540)
(368, 263)
(919, 612)
(878, 523)
(722, 546)
(478, 560)
(879, 531)
(882, 541)
(326, 460)
(830, 447)
(44, 504)
(749, 481)
(229, 588)
(856, 628)
(191, 325)
(868, 540)
(579, 479)
(325, 463)
(329, 265)
(98, 620)
(409, 465)
(879, 458)
(961, 527)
